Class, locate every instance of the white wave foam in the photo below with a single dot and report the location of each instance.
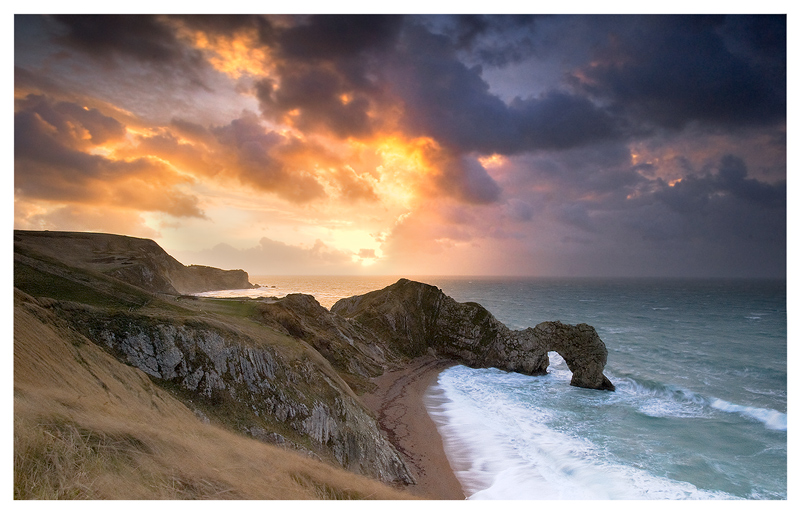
(669, 401)
(656, 400)
(772, 419)
(501, 448)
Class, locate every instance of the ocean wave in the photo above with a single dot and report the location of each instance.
(503, 449)
(660, 400)
(772, 419)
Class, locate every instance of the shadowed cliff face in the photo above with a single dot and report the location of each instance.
(414, 318)
(139, 262)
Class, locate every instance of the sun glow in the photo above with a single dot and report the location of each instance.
(404, 168)
(364, 247)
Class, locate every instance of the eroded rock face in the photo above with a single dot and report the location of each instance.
(346, 345)
(414, 318)
(265, 391)
(580, 346)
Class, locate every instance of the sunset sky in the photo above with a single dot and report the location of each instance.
(411, 145)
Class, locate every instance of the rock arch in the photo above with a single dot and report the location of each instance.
(412, 319)
(582, 350)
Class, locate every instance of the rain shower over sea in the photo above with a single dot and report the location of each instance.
(699, 410)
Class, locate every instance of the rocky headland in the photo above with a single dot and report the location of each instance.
(286, 372)
(139, 262)
(414, 318)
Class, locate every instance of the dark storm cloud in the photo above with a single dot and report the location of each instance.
(450, 102)
(371, 63)
(147, 40)
(493, 40)
(316, 93)
(726, 221)
(191, 130)
(330, 37)
(602, 172)
(467, 180)
(27, 80)
(696, 192)
(327, 67)
(144, 38)
(719, 204)
(672, 70)
(34, 142)
(702, 218)
(73, 123)
(225, 24)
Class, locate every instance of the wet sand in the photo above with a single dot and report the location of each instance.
(399, 404)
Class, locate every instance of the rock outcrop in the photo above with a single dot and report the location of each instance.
(414, 318)
(139, 262)
(260, 382)
(352, 351)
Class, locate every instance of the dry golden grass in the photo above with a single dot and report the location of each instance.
(89, 427)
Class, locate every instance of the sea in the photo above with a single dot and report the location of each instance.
(699, 411)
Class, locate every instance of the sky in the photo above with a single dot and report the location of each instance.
(536, 145)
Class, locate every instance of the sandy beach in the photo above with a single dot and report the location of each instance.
(399, 404)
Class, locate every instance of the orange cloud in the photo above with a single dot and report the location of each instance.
(65, 153)
(235, 55)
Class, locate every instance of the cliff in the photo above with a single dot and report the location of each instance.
(286, 372)
(415, 318)
(87, 426)
(252, 379)
(140, 262)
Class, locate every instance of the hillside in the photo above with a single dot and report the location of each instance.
(120, 377)
(89, 427)
(140, 262)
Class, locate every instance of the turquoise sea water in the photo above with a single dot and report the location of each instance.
(699, 412)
